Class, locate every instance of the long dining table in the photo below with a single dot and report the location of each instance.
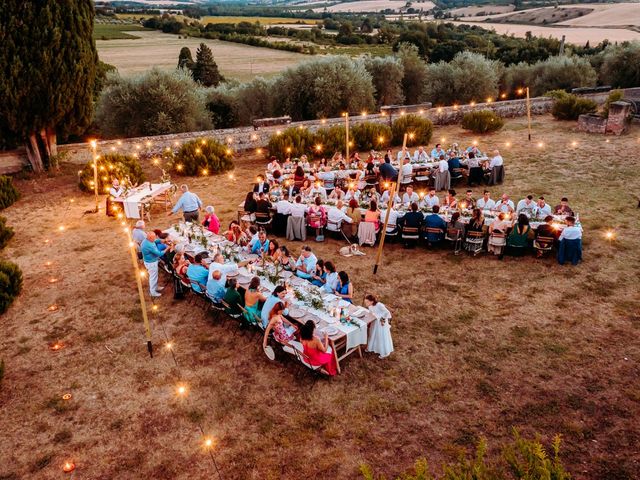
(346, 325)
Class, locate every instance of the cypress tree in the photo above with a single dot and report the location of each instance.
(47, 72)
(185, 60)
(205, 70)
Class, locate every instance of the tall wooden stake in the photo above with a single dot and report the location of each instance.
(346, 126)
(392, 195)
(529, 113)
(94, 147)
(143, 303)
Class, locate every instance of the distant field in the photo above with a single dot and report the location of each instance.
(544, 16)
(157, 49)
(373, 6)
(214, 19)
(487, 9)
(103, 31)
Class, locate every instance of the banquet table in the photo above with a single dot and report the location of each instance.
(133, 199)
(345, 337)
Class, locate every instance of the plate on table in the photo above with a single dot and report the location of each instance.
(251, 256)
(217, 238)
(297, 313)
(286, 274)
(244, 278)
(343, 303)
(233, 274)
(331, 331)
(359, 312)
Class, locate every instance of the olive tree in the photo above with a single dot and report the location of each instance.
(621, 65)
(386, 74)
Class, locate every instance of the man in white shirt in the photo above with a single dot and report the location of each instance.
(402, 154)
(283, 206)
(384, 198)
(420, 156)
(542, 210)
(392, 226)
(486, 203)
(443, 165)
(336, 215)
(318, 190)
(298, 209)
(406, 172)
(571, 231)
(116, 190)
(431, 199)
(526, 206)
(505, 205)
(570, 241)
(496, 160)
(409, 197)
(352, 192)
(224, 268)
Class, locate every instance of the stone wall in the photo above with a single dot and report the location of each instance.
(246, 139)
(592, 123)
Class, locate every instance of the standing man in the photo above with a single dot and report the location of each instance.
(150, 255)
(189, 203)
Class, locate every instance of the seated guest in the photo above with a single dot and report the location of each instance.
(299, 176)
(454, 162)
(273, 165)
(370, 195)
(261, 246)
(283, 210)
(384, 198)
(420, 156)
(455, 223)
(373, 215)
(437, 152)
(235, 234)
(410, 197)
(336, 216)
(316, 350)
(380, 337)
(305, 188)
(431, 199)
(337, 194)
(180, 262)
(298, 209)
(344, 289)
(331, 278)
(250, 205)
(211, 221)
(496, 160)
(469, 203)
(392, 225)
(216, 287)
(287, 164)
(526, 206)
(273, 252)
(413, 218)
(304, 163)
(475, 150)
(285, 259)
(306, 264)
(504, 205)
(261, 186)
(317, 190)
(317, 216)
(450, 201)
(518, 239)
(486, 203)
(283, 330)
(263, 205)
(542, 209)
(500, 225)
(570, 247)
(352, 193)
(476, 173)
(547, 229)
(253, 234)
(233, 298)
(403, 153)
(252, 299)
(435, 221)
(197, 274)
(563, 208)
(225, 268)
(138, 234)
(353, 212)
(319, 276)
(406, 171)
(328, 177)
(476, 224)
(277, 297)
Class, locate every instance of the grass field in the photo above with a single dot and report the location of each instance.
(157, 49)
(228, 19)
(103, 31)
(482, 345)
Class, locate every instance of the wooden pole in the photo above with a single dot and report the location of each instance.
(143, 303)
(529, 113)
(392, 194)
(346, 123)
(94, 147)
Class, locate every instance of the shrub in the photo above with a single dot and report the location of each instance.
(6, 233)
(110, 166)
(421, 128)
(8, 192)
(482, 121)
(332, 139)
(370, 135)
(570, 107)
(10, 284)
(386, 74)
(561, 73)
(621, 65)
(293, 142)
(154, 103)
(614, 96)
(202, 157)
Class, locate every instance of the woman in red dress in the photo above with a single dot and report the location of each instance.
(316, 350)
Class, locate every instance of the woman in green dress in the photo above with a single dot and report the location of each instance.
(518, 239)
(252, 299)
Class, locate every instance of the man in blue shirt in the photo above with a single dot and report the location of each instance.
(215, 287)
(434, 221)
(261, 245)
(387, 172)
(306, 264)
(197, 274)
(189, 203)
(150, 255)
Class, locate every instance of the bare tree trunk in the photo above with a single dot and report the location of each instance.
(33, 154)
(48, 137)
(52, 141)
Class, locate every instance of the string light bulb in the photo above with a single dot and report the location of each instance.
(181, 390)
(68, 466)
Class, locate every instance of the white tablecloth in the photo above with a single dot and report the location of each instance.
(132, 201)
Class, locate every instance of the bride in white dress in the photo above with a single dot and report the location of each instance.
(380, 341)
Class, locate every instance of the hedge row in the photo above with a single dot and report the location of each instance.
(10, 274)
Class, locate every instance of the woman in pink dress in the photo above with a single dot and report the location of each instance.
(316, 350)
(283, 329)
(211, 221)
(317, 216)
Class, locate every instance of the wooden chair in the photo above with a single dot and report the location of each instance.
(498, 239)
(454, 235)
(390, 235)
(474, 242)
(543, 246)
(263, 220)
